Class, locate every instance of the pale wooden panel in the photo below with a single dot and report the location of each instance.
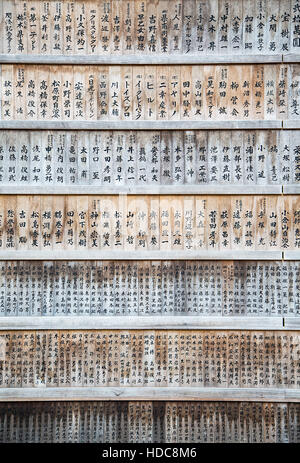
(228, 103)
(182, 68)
(291, 58)
(143, 255)
(72, 160)
(152, 28)
(142, 125)
(242, 213)
(163, 394)
(291, 323)
(263, 359)
(147, 59)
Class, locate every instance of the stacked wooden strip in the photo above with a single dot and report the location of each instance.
(149, 422)
(164, 27)
(149, 158)
(128, 80)
(240, 359)
(153, 93)
(137, 288)
(140, 223)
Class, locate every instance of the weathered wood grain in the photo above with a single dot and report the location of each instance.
(132, 287)
(147, 59)
(123, 300)
(291, 323)
(180, 322)
(220, 358)
(143, 125)
(149, 189)
(221, 97)
(205, 238)
(145, 255)
(148, 393)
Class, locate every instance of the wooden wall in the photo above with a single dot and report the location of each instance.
(149, 221)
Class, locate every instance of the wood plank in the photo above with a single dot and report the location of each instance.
(148, 59)
(176, 287)
(146, 125)
(170, 422)
(292, 323)
(291, 58)
(180, 322)
(291, 255)
(145, 255)
(149, 393)
(77, 158)
(151, 189)
(291, 124)
(291, 189)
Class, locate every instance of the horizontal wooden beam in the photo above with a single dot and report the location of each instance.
(291, 255)
(291, 58)
(134, 59)
(291, 124)
(140, 255)
(159, 322)
(144, 190)
(292, 323)
(291, 189)
(141, 125)
(149, 393)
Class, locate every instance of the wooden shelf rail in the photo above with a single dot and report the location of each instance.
(147, 125)
(148, 189)
(149, 393)
(159, 59)
(164, 322)
(146, 255)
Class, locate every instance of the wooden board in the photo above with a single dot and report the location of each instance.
(80, 86)
(184, 170)
(153, 366)
(175, 287)
(241, 212)
(163, 28)
(165, 422)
